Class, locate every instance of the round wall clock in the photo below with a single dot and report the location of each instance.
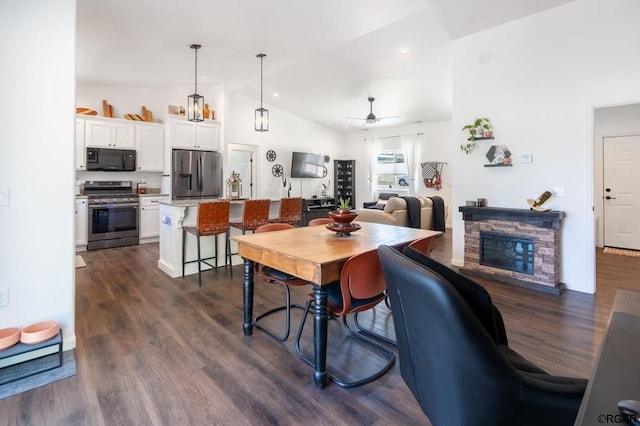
(271, 155)
(277, 170)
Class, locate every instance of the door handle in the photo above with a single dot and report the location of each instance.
(609, 198)
(200, 173)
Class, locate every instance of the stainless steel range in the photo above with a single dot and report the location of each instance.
(113, 214)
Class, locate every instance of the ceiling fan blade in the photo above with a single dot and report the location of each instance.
(390, 116)
(356, 118)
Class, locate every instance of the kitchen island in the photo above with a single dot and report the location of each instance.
(174, 214)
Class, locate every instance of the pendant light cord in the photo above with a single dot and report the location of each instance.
(261, 56)
(196, 68)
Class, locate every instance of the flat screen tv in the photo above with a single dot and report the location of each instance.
(306, 165)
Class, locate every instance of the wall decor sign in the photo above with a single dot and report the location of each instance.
(271, 155)
(498, 156)
(277, 170)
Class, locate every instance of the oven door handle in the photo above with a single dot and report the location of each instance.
(114, 205)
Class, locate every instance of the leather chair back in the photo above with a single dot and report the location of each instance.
(453, 367)
(290, 211)
(213, 218)
(256, 213)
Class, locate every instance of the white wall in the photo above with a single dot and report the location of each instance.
(610, 121)
(287, 133)
(37, 244)
(435, 145)
(546, 72)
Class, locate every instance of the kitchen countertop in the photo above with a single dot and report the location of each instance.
(194, 203)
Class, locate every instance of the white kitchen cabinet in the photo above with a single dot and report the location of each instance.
(150, 147)
(207, 136)
(201, 135)
(82, 219)
(109, 133)
(81, 158)
(150, 217)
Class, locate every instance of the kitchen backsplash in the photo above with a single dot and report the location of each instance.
(152, 179)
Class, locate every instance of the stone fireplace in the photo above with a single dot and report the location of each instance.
(515, 246)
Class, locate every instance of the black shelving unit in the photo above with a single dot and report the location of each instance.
(344, 176)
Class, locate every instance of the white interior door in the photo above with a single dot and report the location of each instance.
(242, 161)
(621, 192)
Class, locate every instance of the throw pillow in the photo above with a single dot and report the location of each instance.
(395, 203)
(473, 293)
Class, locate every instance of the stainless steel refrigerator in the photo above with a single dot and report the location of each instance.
(196, 174)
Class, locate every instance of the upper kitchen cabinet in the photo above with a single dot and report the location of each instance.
(150, 147)
(184, 134)
(144, 137)
(109, 133)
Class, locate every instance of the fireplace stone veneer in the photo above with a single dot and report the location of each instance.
(543, 228)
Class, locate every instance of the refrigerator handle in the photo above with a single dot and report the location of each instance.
(200, 171)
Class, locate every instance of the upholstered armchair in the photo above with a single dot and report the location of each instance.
(450, 356)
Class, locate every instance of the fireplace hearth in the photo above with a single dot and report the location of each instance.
(514, 246)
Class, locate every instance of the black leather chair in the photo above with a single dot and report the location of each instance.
(449, 337)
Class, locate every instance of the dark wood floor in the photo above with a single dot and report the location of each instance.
(155, 350)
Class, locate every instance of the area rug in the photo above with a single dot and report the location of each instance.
(80, 262)
(67, 369)
(622, 252)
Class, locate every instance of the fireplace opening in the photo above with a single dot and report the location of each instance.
(506, 252)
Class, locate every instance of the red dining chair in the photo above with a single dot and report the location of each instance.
(361, 287)
(213, 220)
(424, 245)
(273, 276)
(320, 221)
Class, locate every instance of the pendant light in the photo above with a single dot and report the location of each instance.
(262, 114)
(195, 102)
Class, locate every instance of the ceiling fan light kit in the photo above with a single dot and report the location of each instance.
(371, 117)
(195, 102)
(262, 114)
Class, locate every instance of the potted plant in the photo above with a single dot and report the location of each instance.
(343, 214)
(343, 205)
(476, 130)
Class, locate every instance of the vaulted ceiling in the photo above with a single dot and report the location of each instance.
(324, 58)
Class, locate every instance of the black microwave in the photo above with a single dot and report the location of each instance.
(111, 160)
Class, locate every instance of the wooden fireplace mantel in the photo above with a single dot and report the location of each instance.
(549, 220)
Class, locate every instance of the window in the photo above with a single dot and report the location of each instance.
(391, 170)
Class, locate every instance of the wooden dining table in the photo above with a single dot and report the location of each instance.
(315, 254)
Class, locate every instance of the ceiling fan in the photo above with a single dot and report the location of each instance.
(371, 118)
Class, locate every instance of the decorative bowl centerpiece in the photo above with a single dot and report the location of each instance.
(342, 218)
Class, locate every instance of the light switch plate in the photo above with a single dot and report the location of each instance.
(526, 157)
(560, 191)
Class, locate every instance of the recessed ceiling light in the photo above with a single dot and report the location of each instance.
(275, 95)
(404, 52)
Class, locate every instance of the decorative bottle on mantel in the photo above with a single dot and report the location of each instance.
(542, 198)
(538, 202)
